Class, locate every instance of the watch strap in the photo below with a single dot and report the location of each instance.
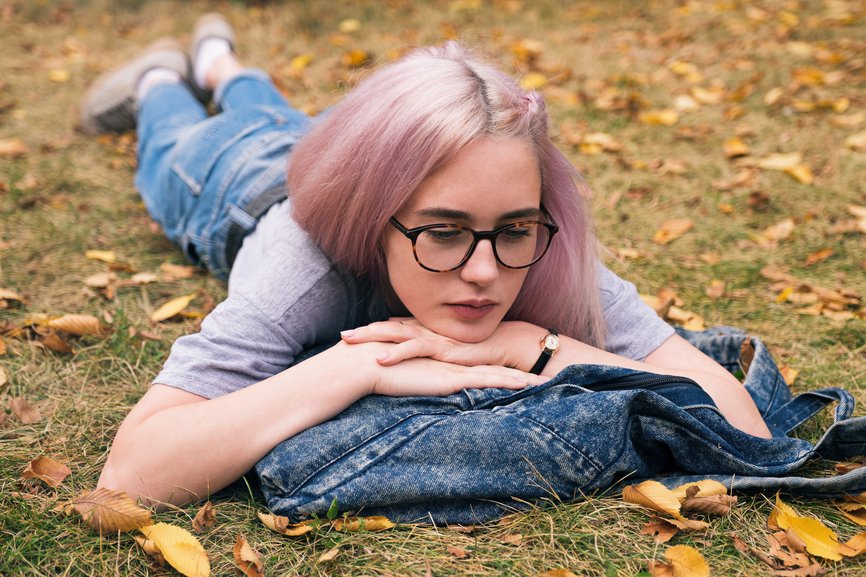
(545, 355)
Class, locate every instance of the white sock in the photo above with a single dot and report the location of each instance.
(153, 77)
(209, 51)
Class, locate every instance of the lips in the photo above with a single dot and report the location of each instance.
(472, 309)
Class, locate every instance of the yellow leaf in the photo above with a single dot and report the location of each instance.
(111, 511)
(248, 561)
(819, 539)
(808, 76)
(77, 325)
(12, 147)
(280, 524)
(713, 95)
(59, 75)
(735, 147)
(855, 546)
(856, 141)
(47, 470)
(104, 255)
(171, 308)
(788, 19)
(706, 488)
(778, 161)
(533, 81)
(329, 555)
(802, 173)
(779, 231)
(687, 562)
(672, 229)
(858, 515)
(350, 25)
(789, 374)
(688, 70)
(180, 549)
(352, 524)
(773, 96)
(783, 296)
(653, 495)
(557, 573)
(849, 120)
(667, 117)
(100, 280)
(354, 59)
(298, 63)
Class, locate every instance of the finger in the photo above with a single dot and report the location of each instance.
(386, 331)
(410, 349)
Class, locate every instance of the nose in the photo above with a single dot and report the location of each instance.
(481, 268)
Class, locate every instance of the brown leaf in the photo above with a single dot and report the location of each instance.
(150, 336)
(715, 504)
(280, 524)
(46, 470)
(53, 341)
(109, 511)
(248, 561)
(819, 256)
(512, 538)
(204, 518)
(716, 289)
(103, 255)
(659, 569)
(744, 547)
(850, 465)
(661, 528)
(557, 573)
(151, 549)
(789, 374)
(735, 147)
(653, 495)
(329, 555)
(8, 295)
(25, 411)
(175, 271)
(78, 325)
(458, 552)
(810, 571)
(2, 352)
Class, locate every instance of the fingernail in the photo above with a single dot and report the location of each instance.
(347, 334)
(383, 356)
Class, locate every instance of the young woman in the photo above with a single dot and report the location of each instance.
(426, 225)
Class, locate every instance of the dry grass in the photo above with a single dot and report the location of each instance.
(70, 193)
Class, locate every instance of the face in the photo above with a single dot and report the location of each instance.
(489, 184)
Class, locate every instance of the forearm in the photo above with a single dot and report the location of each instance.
(183, 453)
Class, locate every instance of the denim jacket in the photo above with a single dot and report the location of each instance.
(482, 453)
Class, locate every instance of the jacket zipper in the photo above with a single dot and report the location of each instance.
(640, 381)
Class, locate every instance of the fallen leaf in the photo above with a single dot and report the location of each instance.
(557, 573)
(802, 173)
(856, 141)
(515, 539)
(78, 325)
(180, 549)
(773, 96)
(46, 470)
(280, 524)
(300, 62)
(144, 278)
(714, 504)
(108, 511)
(818, 538)
(850, 465)
(103, 255)
(151, 549)
(672, 229)
(328, 555)
(12, 147)
(533, 81)
(248, 561)
(8, 295)
(819, 256)
(666, 117)
(779, 231)
(653, 495)
(735, 147)
(177, 271)
(715, 95)
(59, 75)
(789, 374)
(808, 76)
(849, 120)
(349, 25)
(27, 413)
(458, 552)
(53, 342)
(685, 103)
(172, 308)
(204, 518)
(661, 529)
(778, 161)
(716, 289)
(353, 524)
(355, 59)
(100, 280)
(857, 516)
(744, 547)
(686, 561)
(705, 488)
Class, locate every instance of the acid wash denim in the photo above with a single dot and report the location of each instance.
(482, 453)
(206, 180)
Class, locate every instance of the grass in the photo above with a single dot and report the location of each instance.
(70, 193)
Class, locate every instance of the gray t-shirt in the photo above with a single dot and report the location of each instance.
(287, 297)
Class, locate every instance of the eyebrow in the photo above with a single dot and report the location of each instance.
(451, 214)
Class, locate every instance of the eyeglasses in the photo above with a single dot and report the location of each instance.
(447, 247)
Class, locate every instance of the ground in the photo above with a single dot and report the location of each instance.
(645, 99)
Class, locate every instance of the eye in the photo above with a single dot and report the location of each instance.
(518, 233)
(444, 235)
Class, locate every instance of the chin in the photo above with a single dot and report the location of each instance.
(466, 333)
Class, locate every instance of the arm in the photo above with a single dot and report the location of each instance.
(516, 344)
(178, 447)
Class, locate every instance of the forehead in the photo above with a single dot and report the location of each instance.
(485, 179)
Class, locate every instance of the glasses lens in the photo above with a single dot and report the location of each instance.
(522, 245)
(443, 248)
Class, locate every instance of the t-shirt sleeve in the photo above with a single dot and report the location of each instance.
(634, 330)
(295, 301)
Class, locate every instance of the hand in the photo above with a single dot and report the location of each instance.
(414, 341)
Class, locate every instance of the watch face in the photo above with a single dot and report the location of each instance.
(551, 342)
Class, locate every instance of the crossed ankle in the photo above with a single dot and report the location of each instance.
(209, 51)
(153, 77)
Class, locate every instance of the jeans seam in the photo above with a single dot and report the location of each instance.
(562, 439)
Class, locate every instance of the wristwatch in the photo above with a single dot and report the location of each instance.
(549, 346)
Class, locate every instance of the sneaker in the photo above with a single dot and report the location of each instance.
(111, 104)
(211, 25)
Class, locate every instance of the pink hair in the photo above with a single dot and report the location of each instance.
(364, 159)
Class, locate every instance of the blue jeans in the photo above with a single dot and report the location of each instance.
(482, 453)
(207, 180)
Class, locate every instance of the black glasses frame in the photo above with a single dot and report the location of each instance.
(413, 233)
